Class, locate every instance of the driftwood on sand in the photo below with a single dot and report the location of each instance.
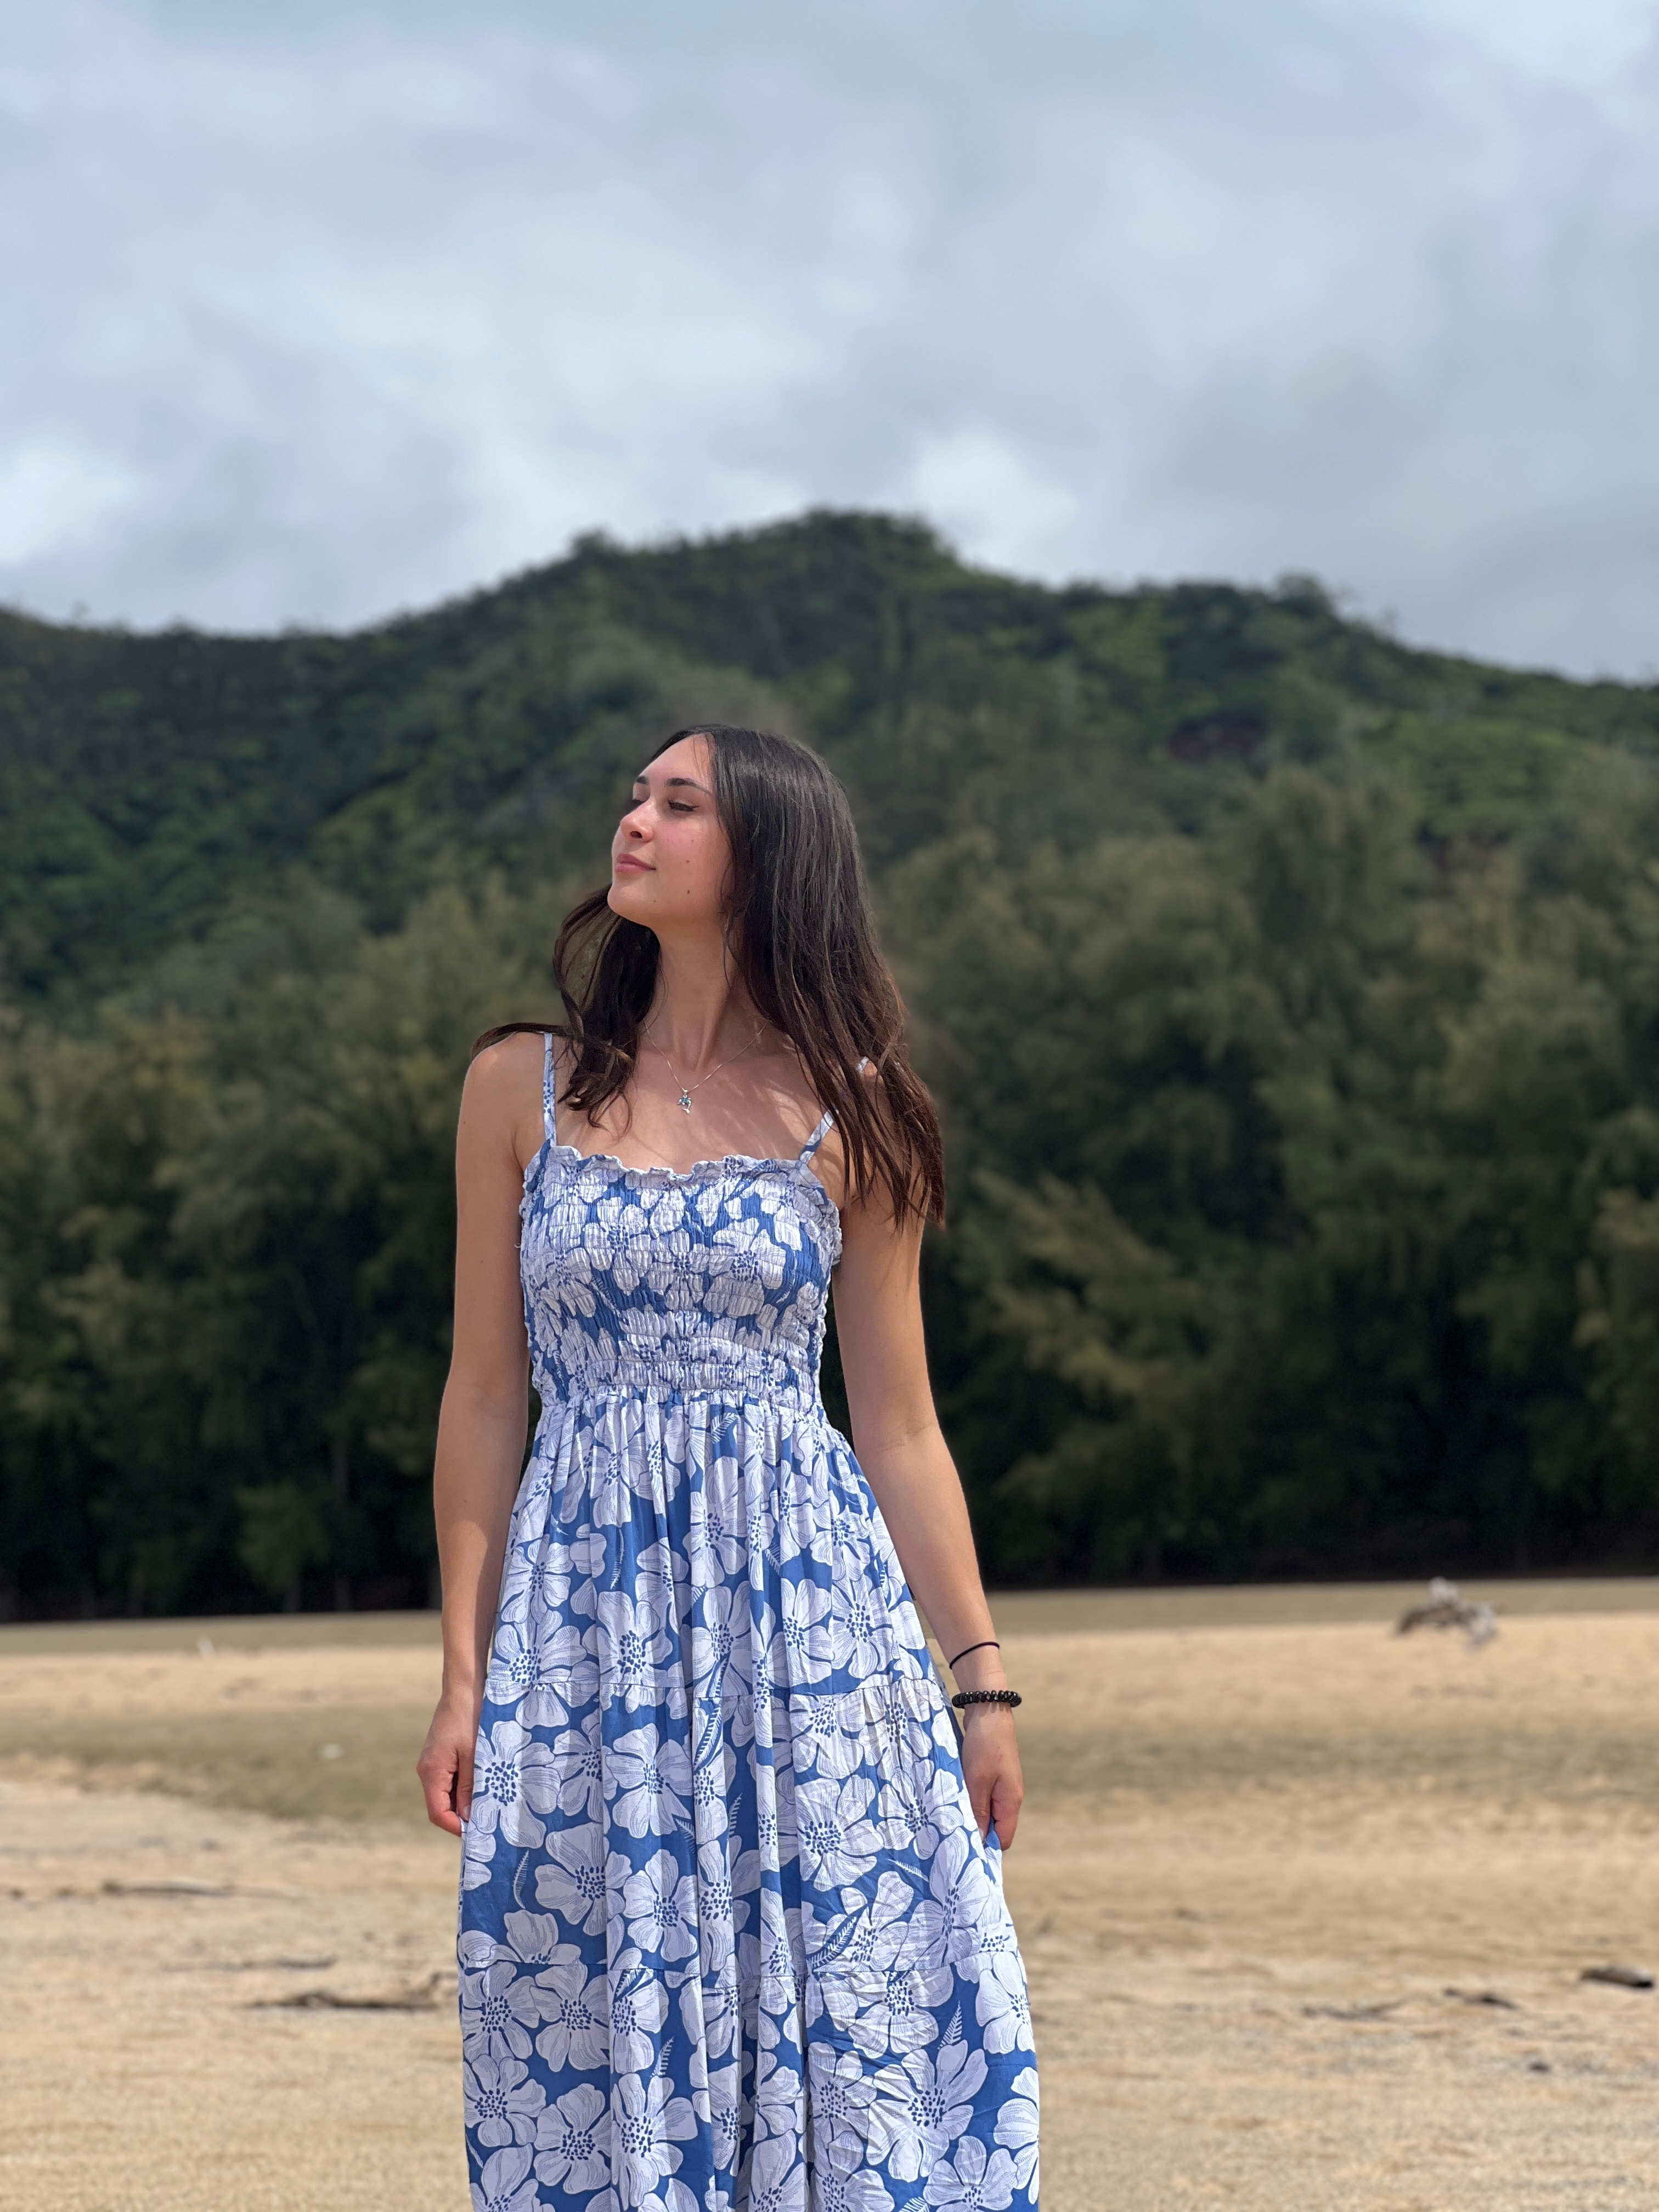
(1445, 1608)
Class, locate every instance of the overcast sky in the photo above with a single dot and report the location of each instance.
(316, 310)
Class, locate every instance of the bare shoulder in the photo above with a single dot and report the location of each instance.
(830, 1162)
(501, 1097)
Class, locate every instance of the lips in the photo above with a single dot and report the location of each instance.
(626, 861)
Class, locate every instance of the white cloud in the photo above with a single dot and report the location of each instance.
(318, 310)
(54, 497)
(1588, 42)
(979, 489)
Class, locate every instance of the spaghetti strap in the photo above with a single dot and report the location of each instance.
(550, 1102)
(825, 1126)
(817, 1137)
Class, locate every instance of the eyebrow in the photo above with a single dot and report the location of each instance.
(688, 782)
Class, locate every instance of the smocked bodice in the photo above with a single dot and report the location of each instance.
(639, 1279)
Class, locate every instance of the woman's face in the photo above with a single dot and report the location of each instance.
(670, 861)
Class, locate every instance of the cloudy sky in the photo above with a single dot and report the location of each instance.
(319, 308)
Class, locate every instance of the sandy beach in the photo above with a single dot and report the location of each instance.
(1306, 1904)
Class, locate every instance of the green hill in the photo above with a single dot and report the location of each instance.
(1290, 995)
(149, 785)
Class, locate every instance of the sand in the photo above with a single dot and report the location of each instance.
(1305, 1907)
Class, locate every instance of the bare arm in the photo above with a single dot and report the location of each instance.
(903, 1451)
(481, 1428)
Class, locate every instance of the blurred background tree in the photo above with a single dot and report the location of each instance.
(1291, 999)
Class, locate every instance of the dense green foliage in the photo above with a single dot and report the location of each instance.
(1292, 998)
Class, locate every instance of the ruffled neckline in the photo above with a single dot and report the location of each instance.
(732, 1163)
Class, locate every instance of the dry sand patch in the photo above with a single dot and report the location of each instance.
(1257, 1859)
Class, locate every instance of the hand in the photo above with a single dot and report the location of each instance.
(990, 1767)
(445, 1765)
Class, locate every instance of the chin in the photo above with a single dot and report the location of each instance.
(623, 898)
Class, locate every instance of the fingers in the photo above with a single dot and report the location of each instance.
(980, 1777)
(438, 1767)
(1006, 1799)
(464, 1783)
(979, 1797)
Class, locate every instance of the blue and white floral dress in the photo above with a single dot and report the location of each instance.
(729, 1939)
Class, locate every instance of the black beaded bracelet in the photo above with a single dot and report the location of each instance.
(1009, 1697)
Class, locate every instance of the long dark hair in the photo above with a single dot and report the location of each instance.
(803, 939)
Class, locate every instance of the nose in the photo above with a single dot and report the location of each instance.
(633, 823)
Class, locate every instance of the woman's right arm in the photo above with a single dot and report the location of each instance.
(485, 1412)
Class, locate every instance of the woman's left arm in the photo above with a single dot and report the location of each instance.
(903, 1451)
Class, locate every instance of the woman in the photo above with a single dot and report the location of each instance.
(733, 1934)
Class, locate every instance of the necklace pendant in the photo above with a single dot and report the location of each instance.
(686, 1101)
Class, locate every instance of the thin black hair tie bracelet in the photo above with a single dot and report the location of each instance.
(990, 1643)
(1009, 1697)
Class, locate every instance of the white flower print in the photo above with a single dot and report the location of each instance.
(842, 2094)
(719, 2105)
(777, 2179)
(673, 2196)
(746, 1264)
(634, 1646)
(801, 1539)
(721, 1641)
(657, 1572)
(857, 1629)
(639, 2006)
(619, 1443)
(647, 2122)
(714, 1542)
(1000, 2001)
(972, 2180)
(777, 2100)
(891, 2012)
(477, 1948)
(871, 1935)
(588, 1551)
(917, 1807)
(711, 1781)
(815, 1733)
(536, 1581)
(839, 1842)
(725, 1885)
(505, 2185)
(616, 1477)
(576, 2010)
(534, 1939)
(775, 1808)
(478, 1855)
(660, 1903)
(498, 2012)
(573, 2141)
(514, 1779)
(531, 1673)
(502, 2101)
(923, 2104)
(579, 1758)
(861, 2191)
(804, 1631)
(570, 1880)
(649, 1777)
(898, 1718)
(967, 1898)
(712, 2014)
(1017, 2129)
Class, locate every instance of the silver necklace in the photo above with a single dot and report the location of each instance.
(686, 1088)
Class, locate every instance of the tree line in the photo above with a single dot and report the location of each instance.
(1292, 1002)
